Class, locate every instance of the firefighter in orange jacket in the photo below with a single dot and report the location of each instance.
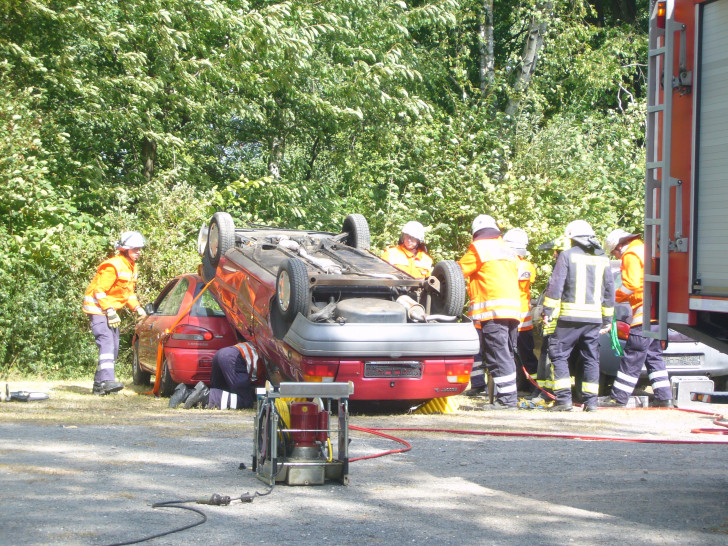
(517, 239)
(410, 254)
(639, 349)
(491, 268)
(111, 289)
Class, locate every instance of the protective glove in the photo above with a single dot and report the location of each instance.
(605, 328)
(141, 312)
(113, 318)
(546, 320)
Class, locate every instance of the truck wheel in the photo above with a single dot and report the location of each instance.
(221, 236)
(292, 289)
(358, 229)
(139, 376)
(451, 299)
(166, 383)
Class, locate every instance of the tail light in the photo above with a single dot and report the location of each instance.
(191, 333)
(319, 370)
(661, 14)
(622, 330)
(458, 371)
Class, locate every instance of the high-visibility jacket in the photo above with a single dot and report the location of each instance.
(633, 272)
(112, 287)
(526, 275)
(491, 268)
(418, 264)
(581, 286)
(251, 358)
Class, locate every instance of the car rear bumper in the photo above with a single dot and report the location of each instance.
(189, 367)
(356, 340)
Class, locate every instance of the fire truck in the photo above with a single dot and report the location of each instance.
(686, 182)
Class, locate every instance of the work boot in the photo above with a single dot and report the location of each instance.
(592, 407)
(498, 405)
(475, 392)
(663, 404)
(609, 402)
(560, 407)
(105, 387)
(199, 395)
(180, 395)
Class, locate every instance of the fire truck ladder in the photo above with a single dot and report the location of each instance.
(658, 179)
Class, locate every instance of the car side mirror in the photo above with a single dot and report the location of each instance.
(149, 308)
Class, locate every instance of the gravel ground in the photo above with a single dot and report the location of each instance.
(78, 469)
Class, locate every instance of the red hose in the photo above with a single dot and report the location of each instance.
(718, 421)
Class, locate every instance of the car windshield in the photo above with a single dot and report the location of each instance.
(206, 305)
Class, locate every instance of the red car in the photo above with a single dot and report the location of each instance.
(320, 306)
(189, 349)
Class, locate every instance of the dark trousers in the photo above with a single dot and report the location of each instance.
(641, 350)
(107, 340)
(497, 342)
(525, 351)
(229, 381)
(566, 337)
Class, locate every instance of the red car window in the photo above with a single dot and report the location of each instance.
(172, 302)
(206, 305)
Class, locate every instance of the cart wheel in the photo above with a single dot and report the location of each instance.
(451, 299)
(139, 376)
(358, 229)
(292, 289)
(221, 236)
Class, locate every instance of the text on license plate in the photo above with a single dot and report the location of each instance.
(682, 361)
(392, 368)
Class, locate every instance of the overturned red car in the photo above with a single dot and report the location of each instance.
(321, 307)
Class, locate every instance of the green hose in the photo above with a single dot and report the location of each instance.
(616, 347)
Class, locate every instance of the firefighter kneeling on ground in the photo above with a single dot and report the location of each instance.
(639, 349)
(112, 288)
(233, 371)
(582, 288)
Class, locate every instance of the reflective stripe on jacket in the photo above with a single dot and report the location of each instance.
(633, 271)
(112, 287)
(419, 264)
(250, 355)
(491, 268)
(581, 286)
(526, 275)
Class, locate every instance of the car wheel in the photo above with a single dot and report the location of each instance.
(139, 376)
(451, 299)
(357, 228)
(221, 236)
(208, 270)
(292, 289)
(166, 383)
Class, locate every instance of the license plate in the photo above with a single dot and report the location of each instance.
(683, 361)
(392, 369)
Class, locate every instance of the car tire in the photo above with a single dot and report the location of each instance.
(451, 299)
(166, 383)
(357, 228)
(221, 236)
(292, 289)
(139, 376)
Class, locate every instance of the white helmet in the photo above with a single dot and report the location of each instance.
(483, 221)
(414, 229)
(578, 228)
(129, 240)
(615, 237)
(517, 239)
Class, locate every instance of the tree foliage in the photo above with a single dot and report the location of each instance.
(152, 114)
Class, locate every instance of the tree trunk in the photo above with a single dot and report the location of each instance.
(534, 43)
(149, 157)
(277, 150)
(486, 47)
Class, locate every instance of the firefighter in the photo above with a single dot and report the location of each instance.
(111, 289)
(491, 269)
(582, 288)
(517, 239)
(410, 254)
(233, 371)
(639, 349)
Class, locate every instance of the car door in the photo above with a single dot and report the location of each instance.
(166, 309)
